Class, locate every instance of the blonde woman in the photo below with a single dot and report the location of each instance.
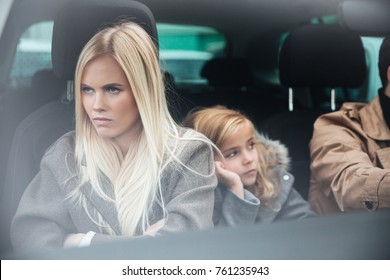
(254, 184)
(128, 169)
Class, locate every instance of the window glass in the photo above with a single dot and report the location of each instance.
(185, 49)
(370, 87)
(371, 46)
(33, 53)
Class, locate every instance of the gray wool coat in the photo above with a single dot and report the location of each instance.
(231, 210)
(44, 217)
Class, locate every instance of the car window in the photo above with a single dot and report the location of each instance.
(371, 46)
(370, 87)
(183, 51)
(33, 53)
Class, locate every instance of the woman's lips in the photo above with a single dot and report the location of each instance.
(102, 121)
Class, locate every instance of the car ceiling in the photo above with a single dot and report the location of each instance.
(225, 15)
(231, 17)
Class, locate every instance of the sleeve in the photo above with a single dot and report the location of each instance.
(231, 210)
(340, 164)
(190, 205)
(42, 219)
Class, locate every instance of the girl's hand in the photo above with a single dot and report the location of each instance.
(229, 178)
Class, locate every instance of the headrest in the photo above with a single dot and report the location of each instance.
(46, 77)
(78, 21)
(322, 56)
(227, 72)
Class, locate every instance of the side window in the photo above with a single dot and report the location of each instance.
(371, 46)
(370, 87)
(185, 49)
(33, 53)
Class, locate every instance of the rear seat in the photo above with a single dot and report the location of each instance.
(317, 58)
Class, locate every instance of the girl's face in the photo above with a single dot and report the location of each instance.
(109, 101)
(241, 155)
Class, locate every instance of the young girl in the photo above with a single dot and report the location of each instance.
(128, 169)
(254, 184)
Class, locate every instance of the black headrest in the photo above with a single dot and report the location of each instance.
(227, 72)
(78, 21)
(322, 56)
(46, 77)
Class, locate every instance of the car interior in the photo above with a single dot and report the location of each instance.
(281, 62)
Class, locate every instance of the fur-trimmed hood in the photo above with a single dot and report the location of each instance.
(277, 152)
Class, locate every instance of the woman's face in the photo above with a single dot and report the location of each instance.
(241, 155)
(109, 101)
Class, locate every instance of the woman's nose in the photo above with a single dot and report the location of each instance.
(99, 102)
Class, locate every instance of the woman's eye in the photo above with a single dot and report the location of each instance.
(251, 146)
(86, 90)
(113, 90)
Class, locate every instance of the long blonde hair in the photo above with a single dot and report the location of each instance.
(136, 187)
(219, 123)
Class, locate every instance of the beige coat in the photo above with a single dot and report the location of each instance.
(350, 166)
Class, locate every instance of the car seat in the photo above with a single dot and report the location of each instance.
(18, 103)
(72, 29)
(318, 58)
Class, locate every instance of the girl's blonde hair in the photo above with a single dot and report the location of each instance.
(135, 176)
(219, 123)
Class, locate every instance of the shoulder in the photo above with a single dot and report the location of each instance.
(192, 144)
(61, 153)
(336, 125)
(286, 189)
(277, 153)
(350, 111)
(289, 201)
(64, 144)
(286, 183)
(190, 152)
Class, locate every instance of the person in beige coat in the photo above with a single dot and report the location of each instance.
(350, 152)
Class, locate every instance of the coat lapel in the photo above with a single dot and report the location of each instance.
(106, 208)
